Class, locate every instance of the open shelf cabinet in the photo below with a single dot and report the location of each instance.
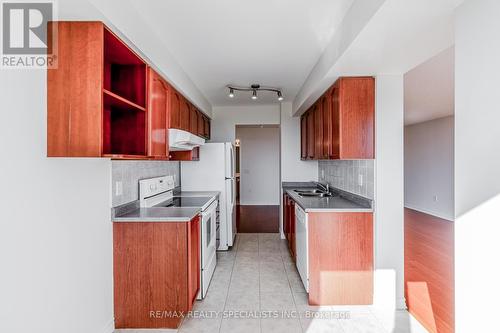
(97, 96)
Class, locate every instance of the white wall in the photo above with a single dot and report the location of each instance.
(388, 233)
(259, 165)
(477, 160)
(56, 234)
(429, 167)
(225, 118)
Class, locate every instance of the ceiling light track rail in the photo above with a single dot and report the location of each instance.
(254, 88)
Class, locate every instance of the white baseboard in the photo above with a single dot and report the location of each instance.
(425, 211)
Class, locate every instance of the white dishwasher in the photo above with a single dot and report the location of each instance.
(301, 245)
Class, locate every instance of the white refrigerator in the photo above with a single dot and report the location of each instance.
(215, 172)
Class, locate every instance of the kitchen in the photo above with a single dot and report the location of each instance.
(120, 196)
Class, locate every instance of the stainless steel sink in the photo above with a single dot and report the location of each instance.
(315, 194)
(308, 191)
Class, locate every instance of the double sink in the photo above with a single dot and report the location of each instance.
(313, 193)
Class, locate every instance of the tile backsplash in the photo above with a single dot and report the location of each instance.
(345, 175)
(130, 172)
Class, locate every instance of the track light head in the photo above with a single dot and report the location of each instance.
(254, 94)
(280, 96)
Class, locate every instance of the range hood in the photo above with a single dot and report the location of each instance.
(179, 140)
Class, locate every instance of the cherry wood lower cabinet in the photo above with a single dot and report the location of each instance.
(340, 258)
(156, 270)
(289, 223)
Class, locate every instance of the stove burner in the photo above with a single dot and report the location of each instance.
(196, 202)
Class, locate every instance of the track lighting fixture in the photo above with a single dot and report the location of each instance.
(254, 88)
(280, 97)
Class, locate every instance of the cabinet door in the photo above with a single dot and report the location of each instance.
(327, 125)
(206, 128)
(285, 225)
(318, 130)
(74, 114)
(310, 135)
(175, 109)
(185, 113)
(303, 137)
(193, 230)
(292, 229)
(335, 123)
(157, 120)
(201, 130)
(193, 120)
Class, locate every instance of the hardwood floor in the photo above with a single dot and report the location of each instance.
(429, 270)
(257, 219)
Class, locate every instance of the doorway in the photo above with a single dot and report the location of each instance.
(257, 178)
(429, 192)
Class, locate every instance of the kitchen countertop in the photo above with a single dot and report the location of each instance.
(132, 212)
(341, 202)
(158, 214)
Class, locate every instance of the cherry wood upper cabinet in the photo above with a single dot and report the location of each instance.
(325, 146)
(96, 97)
(201, 124)
(158, 116)
(311, 145)
(206, 127)
(193, 120)
(303, 137)
(185, 113)
(343, 121)
(175, 109)
(356, 107)
(99, 99)
(318, 129)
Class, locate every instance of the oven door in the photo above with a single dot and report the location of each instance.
(208, 247)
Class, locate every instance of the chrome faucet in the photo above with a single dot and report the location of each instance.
(325, 187)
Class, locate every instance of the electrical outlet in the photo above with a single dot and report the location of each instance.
(360, 179)
(118, 188)
(435, 198)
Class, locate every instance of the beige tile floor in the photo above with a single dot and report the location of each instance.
(258, 277)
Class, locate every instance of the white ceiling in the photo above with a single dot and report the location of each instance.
(271, 42)
(400, 35)
(429, 89)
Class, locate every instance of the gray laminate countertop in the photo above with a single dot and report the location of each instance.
(132, 212)
(340, 202)
(158, 214)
